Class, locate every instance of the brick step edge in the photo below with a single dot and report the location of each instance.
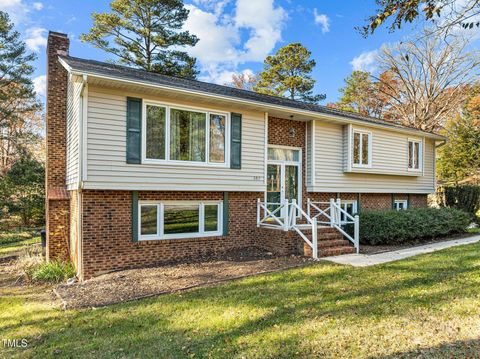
(336, 251)
(333, 243)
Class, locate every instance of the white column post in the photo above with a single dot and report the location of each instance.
(308, 207)
(339, 212)
(285, 215)
(356, 235)
(333, 212)
(314, 239)
(258, 212)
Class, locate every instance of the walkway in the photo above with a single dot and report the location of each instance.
(365, 260)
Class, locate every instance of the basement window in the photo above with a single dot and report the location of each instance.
(400, 205)
(179, 219)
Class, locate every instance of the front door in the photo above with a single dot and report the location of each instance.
(283, 176)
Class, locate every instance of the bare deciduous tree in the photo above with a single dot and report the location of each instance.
(243, 81)
(429, 79)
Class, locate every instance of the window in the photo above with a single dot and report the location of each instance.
(350, 207)
(184, 135)
(414, 155)
(217, 138)
(362, 148)
(283, 154)
(187, 135)
(183, 219)
(400, 205)
(156, 121)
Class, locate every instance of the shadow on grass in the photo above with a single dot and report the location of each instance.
(259, 316)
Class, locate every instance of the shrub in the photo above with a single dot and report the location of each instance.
(53, 272)
(466, 198)
(394, 227)
(32, 263)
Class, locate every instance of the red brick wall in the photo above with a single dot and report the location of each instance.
(107, 231)
(57, 216)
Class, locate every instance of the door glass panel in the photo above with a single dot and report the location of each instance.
(283, 154)
(273, 186)
(291, 182)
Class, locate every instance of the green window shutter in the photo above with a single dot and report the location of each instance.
(359, 202)
(393, 201)
(225, 213)
(134, 130)
(236, 141)
(135, 216)
(408, 201)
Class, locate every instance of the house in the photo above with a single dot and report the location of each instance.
(144, 168)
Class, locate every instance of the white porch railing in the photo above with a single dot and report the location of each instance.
(284, 216)
(290, 216)
(331, 213)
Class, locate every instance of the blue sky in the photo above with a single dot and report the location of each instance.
(235, 35)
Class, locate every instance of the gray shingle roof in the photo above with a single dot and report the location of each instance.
(128, 73)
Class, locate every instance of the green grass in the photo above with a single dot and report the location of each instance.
(12, 241)
(426, 306)
(473, 230)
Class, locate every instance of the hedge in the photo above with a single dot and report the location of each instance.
(394, 227)
(466, 198)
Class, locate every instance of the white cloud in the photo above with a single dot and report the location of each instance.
(223, 45)
(322, 20)
(40, 85)
(225, 77)
(37, 6)
(16, 9)
(35, 38)
(366, 61)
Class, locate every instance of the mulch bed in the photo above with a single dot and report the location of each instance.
(366, 249)
(146, 282)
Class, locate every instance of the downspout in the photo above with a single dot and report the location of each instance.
(81, 122)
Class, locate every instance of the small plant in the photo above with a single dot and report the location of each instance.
(53, 272)
(393, 227)
(32, 263)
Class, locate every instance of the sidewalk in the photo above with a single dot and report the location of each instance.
(365, 260)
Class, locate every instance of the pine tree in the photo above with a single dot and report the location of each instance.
(19, 107)
(146, 34)
(288, 74)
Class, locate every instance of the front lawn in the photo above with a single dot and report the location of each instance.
(13, 241)
(427, 306)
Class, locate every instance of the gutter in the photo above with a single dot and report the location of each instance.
(81, 122)
(336, 118)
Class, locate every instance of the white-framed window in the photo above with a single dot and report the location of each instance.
(179, 219)
(400, 204)
(349, 206)
(179, 135)
(414, 155)
(362, 149)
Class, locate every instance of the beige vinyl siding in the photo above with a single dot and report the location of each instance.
(106, 152)
(73, 129)
(389, 163)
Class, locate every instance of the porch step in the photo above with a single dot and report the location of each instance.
(336, 251)
(333, 243)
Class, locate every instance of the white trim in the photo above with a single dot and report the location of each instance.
(421, 155)
(265, 157)
(84, 133)
(345, 203)
(167, 161)
(360, 154)
(264, 105)
(397, 202)
(282, 165)
(160, 235)
(349, 147)
(313, 152)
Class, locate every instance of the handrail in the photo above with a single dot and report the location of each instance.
(278, 215)
(337, 222)
(316, 205)
(313, 244)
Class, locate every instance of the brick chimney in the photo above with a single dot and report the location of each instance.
(57, 202)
